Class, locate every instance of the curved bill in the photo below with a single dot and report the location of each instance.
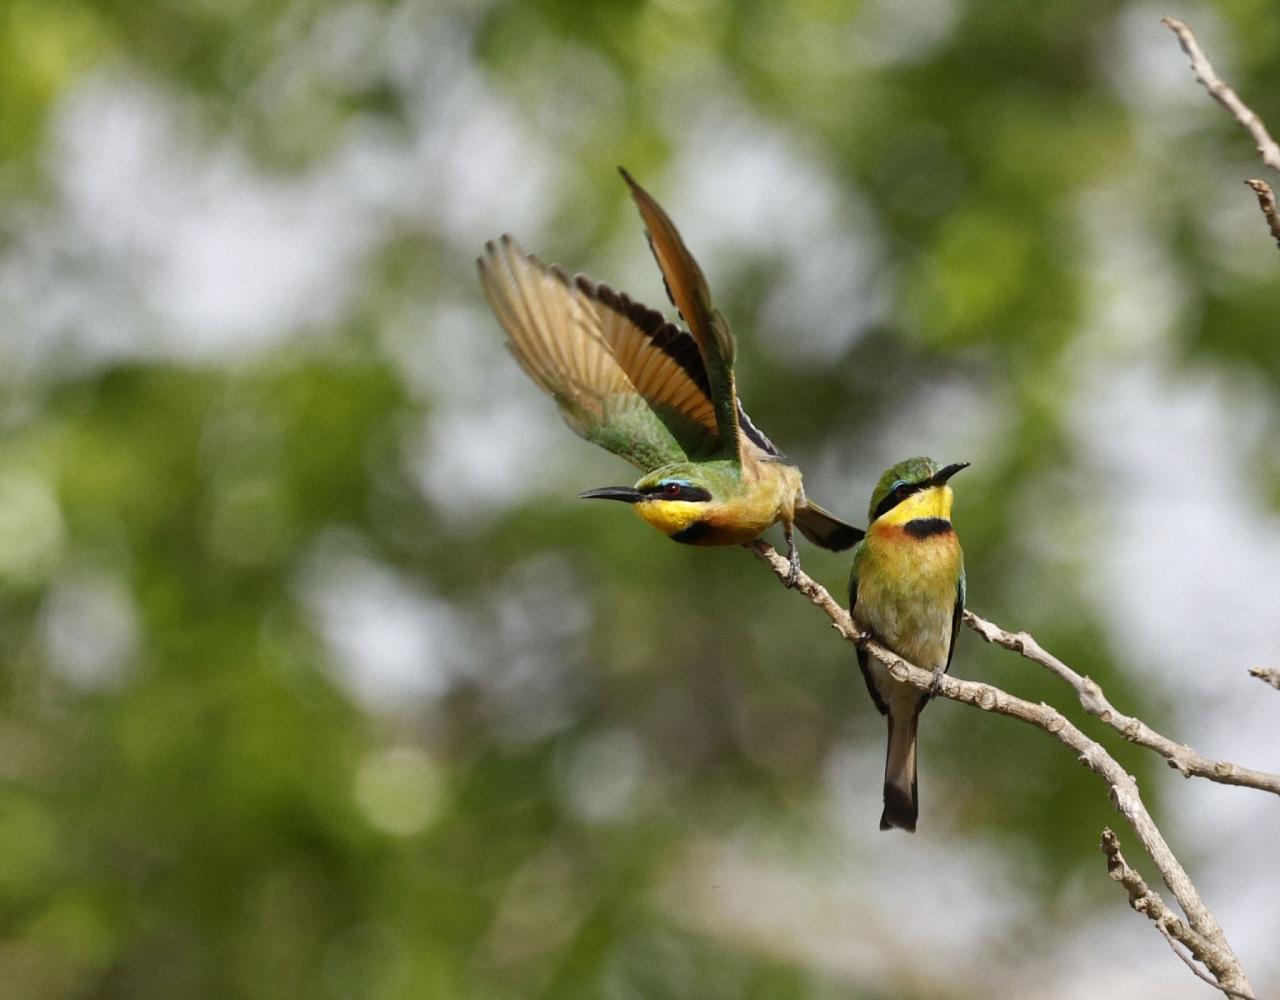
(624, 493)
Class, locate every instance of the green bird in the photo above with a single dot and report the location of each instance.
(660, 396)
(907, 589)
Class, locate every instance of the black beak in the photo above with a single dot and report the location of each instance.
(942, 475)
(624, 493)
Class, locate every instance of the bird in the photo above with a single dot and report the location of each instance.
(661, 396)
(907, 589)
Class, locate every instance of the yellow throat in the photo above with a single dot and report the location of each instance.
(670, 516)
(932, 502)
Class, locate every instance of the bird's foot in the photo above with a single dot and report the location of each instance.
(793, 572)
(935, 688)
(793, 561)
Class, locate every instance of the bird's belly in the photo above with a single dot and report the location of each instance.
(911, 609)
(917, 630)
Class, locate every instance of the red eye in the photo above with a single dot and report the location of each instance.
(671, 491)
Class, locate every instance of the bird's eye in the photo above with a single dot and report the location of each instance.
(671, 491)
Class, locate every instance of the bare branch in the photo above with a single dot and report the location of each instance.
(1223, 94)
(1180, 757)
(1267, 147)
(1147, 901)
(1266, 675)
(1123, 790)
(1190, 963)
(1267, 202)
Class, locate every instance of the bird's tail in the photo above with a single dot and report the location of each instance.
(825, 529)
(901, 806)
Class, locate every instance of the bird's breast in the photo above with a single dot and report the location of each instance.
(907, 594)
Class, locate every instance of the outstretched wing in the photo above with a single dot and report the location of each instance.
(688, 291)
(623, 378)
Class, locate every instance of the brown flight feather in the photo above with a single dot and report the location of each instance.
(600, 355)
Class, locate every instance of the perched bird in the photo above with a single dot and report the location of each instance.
(907, 589)
(658, 395)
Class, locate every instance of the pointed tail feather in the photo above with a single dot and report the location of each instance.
(825, 529)
(901, 805)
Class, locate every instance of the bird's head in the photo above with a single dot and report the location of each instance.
(913, 489)
(672, 499)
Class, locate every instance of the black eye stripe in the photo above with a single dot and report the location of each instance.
(681, 491)
(896, 496)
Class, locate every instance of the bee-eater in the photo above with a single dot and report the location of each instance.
(658, 395)
(907, 589)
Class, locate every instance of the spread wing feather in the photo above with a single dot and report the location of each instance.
(660, 360)
(688, 291)
(623, 378)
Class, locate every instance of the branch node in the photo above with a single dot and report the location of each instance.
(1267, 202)
(1201, 948)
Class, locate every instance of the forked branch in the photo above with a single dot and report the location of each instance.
(1180, 757)
(1145, 900)
(1268, 148)
(1216, 954)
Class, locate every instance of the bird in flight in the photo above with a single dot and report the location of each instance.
(661, 396)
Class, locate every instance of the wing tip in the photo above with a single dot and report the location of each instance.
(506, 252)
(492, 248)
(643, 199)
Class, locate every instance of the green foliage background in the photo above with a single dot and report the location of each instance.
(619, 769)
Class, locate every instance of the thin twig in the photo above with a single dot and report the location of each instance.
(1180, 757)
(1266, 675)
(1268, 149)
(1145, 900)
(1190, 963)
(1267, 202)
(1219, 958)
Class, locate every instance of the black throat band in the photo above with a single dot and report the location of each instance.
(693, 533)
(925, 527)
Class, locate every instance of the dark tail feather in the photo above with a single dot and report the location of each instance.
(826, 529)
(901, 805)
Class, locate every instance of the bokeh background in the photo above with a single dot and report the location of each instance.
(319, 682)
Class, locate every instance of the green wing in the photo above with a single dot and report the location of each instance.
(957, 616)
(623, 378)
(863, 655)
